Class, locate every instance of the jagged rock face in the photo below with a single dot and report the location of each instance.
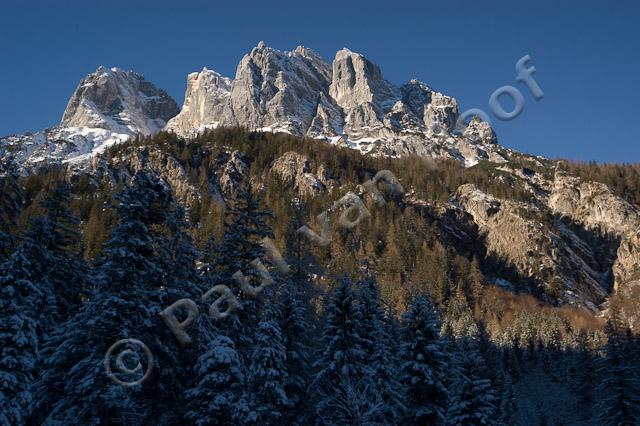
(71, 145)
(347, 103)
(535, 250)
(205, 99)
(480, 132)
(231, 170)
(360, 90)
(277, 90)
(119, 101)
(441, 114)
(123, 168)
(416, 95)
(592, 204)
(295, 171)
(328, 120)
(107, 108)
(626, 270)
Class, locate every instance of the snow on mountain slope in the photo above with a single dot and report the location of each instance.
(347, 103)
(119, 101)
(107, 107)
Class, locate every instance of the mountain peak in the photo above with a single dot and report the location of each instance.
(119, 101)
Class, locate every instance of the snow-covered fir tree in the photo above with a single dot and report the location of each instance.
(342, 372)
(582, 376)
(11, 203)
(295, 327)
(246, 226)
(267, 374)
(67, 269)
(619, 389)
(472, 399)
(130, 292)
(423, 364)
(21, 302)
(216, 395)
(507, 400)
(375, 328)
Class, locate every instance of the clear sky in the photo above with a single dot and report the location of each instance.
(587, 55)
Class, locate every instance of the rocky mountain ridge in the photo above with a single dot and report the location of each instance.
(574, 240)
(347, 103)
(108, 107)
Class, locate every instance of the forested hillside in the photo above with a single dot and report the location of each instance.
(409, 317)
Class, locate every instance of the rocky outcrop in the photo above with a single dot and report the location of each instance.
(626, 269)
(123, 168)
(328, 120)
(107, 108)
(295, 171)
(480, 132)
(347, 103)
(277, 90)
(441, 114)
(119, 101)
(231, 169)
(360, 90)
(593, 205)
(204, 101)
(514, 233)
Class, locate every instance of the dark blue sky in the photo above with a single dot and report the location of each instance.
(587, 54)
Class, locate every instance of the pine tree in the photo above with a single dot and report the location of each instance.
(581, 375)
(247, 224)
(268, 376)
(216, 395)
(379, 357)
(618, 390)
(458, 319)
(295, 328)
(422, 364)
(342, 363)
(11, 203)
(471, 397)
(67, 270)
(21, 301)
(508, 401)
(131, 291)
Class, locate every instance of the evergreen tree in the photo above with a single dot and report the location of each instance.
(472, 398)
(247, 224)
(268, 375)
(422, 364)
(131, 291)
(295, 328)
(508, 402)
(581, 375)
(618, 390)
(67, 269)
(21, 301)
(342, 363)
(216, 395)
(380, 359)
(458, 319)
(11, 203)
